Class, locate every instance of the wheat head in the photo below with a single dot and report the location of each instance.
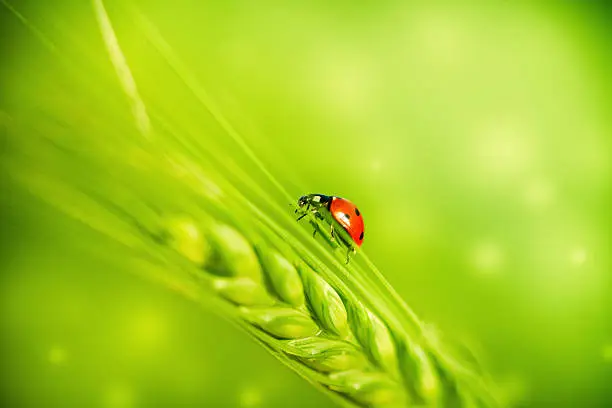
(325, 334)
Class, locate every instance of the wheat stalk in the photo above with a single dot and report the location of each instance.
(327, 335)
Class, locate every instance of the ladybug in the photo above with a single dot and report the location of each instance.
(338, 209)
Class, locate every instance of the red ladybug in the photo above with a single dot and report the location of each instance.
(340, 209)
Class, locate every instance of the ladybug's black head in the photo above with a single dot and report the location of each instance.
(303, 200)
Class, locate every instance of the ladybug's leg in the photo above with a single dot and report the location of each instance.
(314, 233)
(331, 232)
(313, 211)
(348, 251)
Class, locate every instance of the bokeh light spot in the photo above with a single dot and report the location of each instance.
(503, 148)
(57, 355)
(539, 194)
(147, 330)
(487, 257)
(119, 396)
(578, 256)
(250, 397)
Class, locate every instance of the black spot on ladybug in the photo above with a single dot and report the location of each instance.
(361, 236)
(357, 211)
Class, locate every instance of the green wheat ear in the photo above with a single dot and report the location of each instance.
(327, 335)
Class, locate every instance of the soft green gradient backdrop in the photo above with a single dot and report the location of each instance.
(475, 139)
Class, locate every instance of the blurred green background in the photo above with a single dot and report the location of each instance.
(475, 138)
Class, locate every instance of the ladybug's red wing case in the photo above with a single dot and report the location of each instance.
(348, 215)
